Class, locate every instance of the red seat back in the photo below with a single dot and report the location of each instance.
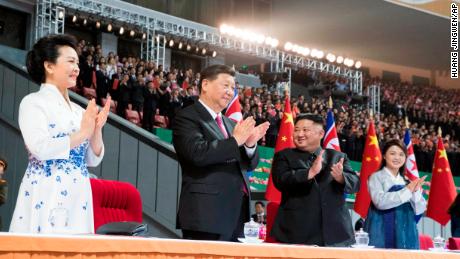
(115, 201)
(89, 93)
(425, 242)
(454, 243)
(272, 210)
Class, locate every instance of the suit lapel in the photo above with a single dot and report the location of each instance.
(229, 125)
(208, 122)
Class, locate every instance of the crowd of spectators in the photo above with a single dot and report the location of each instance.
(144, 87)
(136, 85)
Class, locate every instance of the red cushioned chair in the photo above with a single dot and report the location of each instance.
(89, 93)
(454, 243)
(115, 201)
(425, 242)
(272, 210)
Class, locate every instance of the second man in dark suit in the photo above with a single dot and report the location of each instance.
(214, 154)
(313, 182)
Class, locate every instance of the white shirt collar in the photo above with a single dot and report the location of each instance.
(213, 113)
(48, 86)
(54, 89)
(397, 177)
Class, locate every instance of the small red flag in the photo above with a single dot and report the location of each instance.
(372, 158)
(284, 140)
(442, 190)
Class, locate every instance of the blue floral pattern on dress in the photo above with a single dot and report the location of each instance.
(51, 182)
(76, 161)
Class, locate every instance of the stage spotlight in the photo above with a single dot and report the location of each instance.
(223, 28)
(189, 47)
(61, 14)
(197, 49)
(171, 43)
(180, 45)
(239, 33)
(98, 24)
(339, 60)
(299, 49)
(306, 51)
(230, 30)
(74, 18)
(260, 39)
(109, 27)
(358, 64)
(288, 46)
(274, 43)
(121, 31)
(351, 62)
(314, 53)
(144, 36)
(132, 33)
(268, 40)
(85, 22)
(295, 48)
(320, 54)
(330, 57)
(214, 54)
(203, 51)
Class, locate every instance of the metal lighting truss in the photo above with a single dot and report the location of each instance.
(373, 91)
(47, 19)
(355, 76)
(155, 23)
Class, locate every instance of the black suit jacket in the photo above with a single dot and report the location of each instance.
(102, 84)
(213, 172)
(312, 211)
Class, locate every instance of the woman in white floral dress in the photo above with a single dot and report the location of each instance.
(62, 139)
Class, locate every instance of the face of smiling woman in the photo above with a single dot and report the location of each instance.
(394, 158)
(65, 71)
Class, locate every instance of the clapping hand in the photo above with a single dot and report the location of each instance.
(337, 171)
(101, 117)
(88, 121)
(316, 166)
(416, 184)
(257, 133)
(243, 130)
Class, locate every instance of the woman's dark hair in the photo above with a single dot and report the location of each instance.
(454, 209)
(210, 73)
(46, 49)
(398, 143)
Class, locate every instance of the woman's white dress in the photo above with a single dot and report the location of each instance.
(56, 179)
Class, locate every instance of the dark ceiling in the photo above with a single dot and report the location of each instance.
(370, 29)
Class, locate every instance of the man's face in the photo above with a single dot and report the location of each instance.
(1, 171)
(259, 209)
(218, 92)
(307, 135)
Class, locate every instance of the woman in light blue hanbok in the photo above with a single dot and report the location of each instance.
(62, 139)
(397, 203)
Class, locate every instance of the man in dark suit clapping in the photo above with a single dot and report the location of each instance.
(313, 181)
(214, 154)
